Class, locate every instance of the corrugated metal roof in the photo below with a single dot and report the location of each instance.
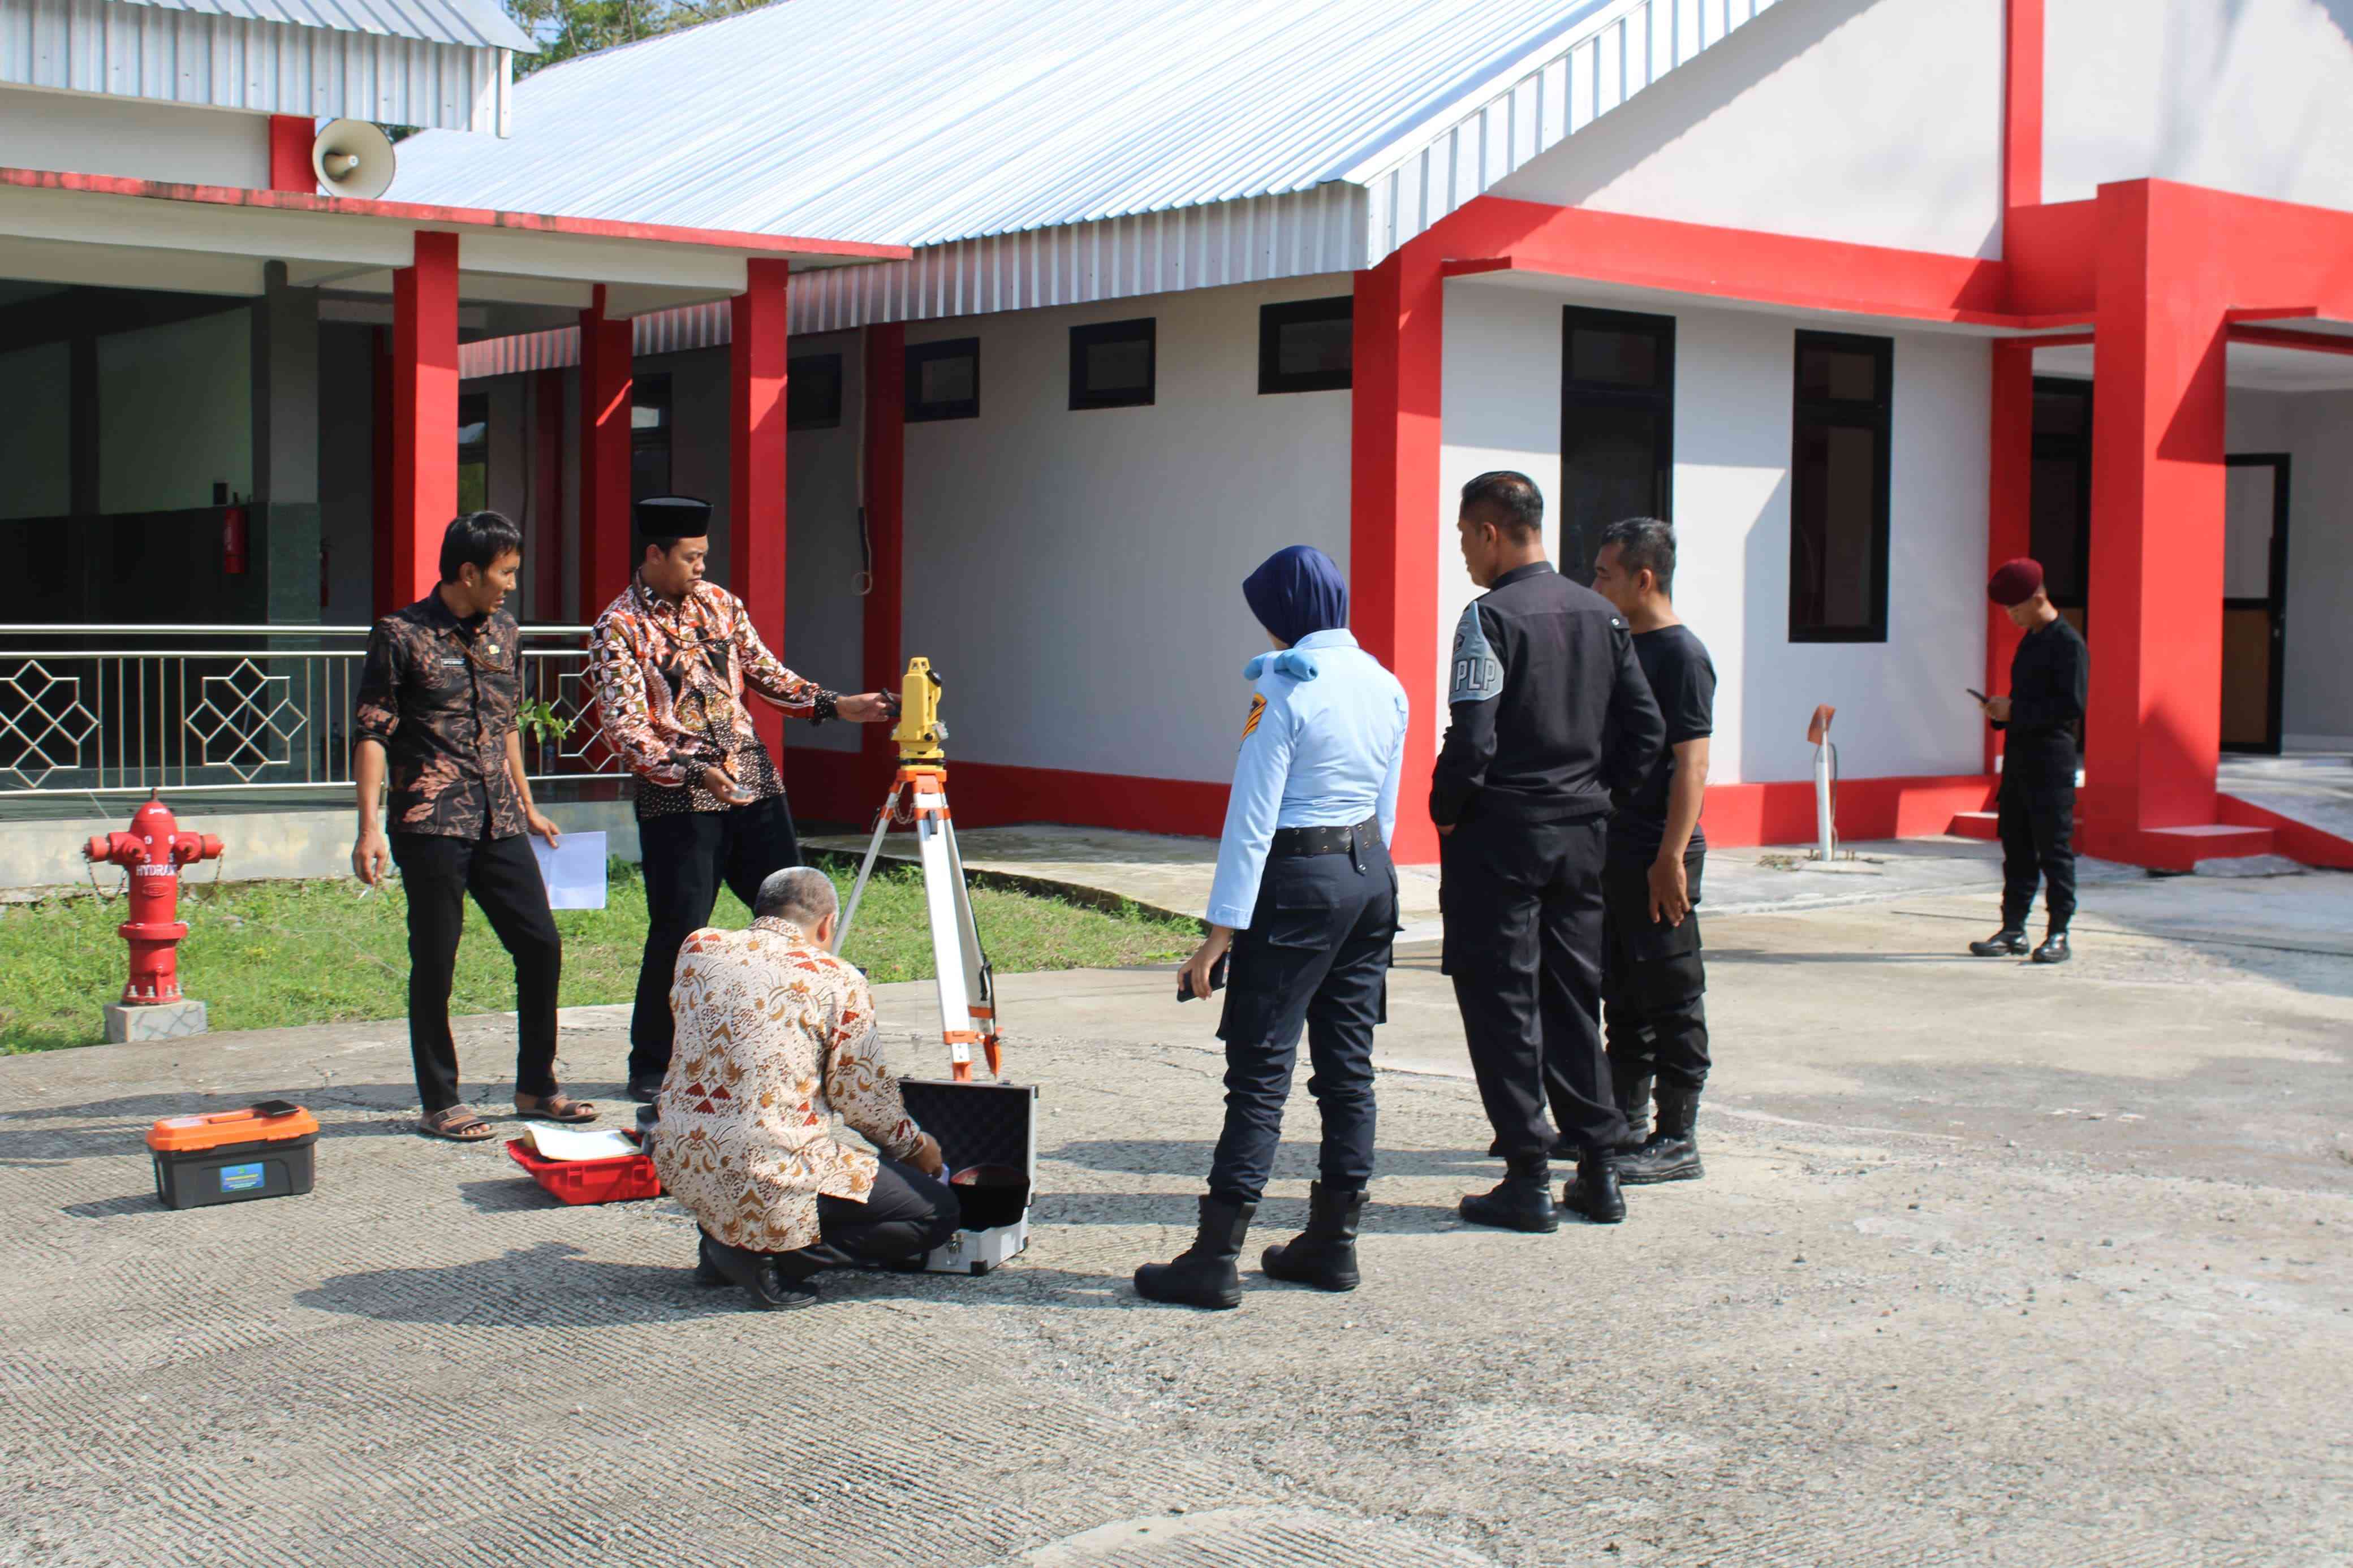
(475, 24)
(928, 121)
(166, 54)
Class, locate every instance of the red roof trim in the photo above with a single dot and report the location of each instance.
(466, 217)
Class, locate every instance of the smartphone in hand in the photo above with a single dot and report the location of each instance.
(1976, 693)
(1217, 979)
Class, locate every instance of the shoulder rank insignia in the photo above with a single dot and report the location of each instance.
(1257, 712)
(1478, 674)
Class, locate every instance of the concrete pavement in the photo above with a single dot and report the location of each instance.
(1992, 1265)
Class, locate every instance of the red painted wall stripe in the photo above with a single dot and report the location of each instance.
(2010, 493)
(607, 557)
(424, 413)
(758, 353)
(290, 155)
(785, 245)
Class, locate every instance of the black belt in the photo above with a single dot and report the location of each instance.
(1291, 842)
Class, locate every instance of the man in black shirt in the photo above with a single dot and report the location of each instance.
(1549, 715)
(1652, 982)
(2049, 677)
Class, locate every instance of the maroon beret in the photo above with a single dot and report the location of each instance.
(2015, 581)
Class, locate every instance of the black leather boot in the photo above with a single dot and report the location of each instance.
(1634, 1104)
(1324, 1254)
(1671, 1153)
(1203, 1275)
(2009, 942)
(2054, 949)
(707, 1271)
(758, 1273)
(1523, 1200)
(1594, 1193)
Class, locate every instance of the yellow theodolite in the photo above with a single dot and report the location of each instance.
(920, 731)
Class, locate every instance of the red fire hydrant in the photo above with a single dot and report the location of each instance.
(152, 852)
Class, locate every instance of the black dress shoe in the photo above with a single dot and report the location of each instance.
(2009, 942)
(1523, 1201)
(756, 1272)
(1594, 1195)
(2054, 949)
(707, 1271)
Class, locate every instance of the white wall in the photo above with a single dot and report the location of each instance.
(1876, 122)
(1076, 577)
(80, 135)
(36, 431)
(1900, 709)
(825, 615)
(175, 413)
(2243, 95)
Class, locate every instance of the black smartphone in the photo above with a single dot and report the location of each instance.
(1217, 979)
(1975, 692)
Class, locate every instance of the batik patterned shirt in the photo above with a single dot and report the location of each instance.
(775, 1038)
(670, 679)
(440, 695)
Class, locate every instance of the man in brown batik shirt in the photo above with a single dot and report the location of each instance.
(437, 707)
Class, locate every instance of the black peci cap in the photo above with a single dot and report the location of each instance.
(673, 517)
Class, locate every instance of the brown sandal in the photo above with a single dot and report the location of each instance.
(556, 1106)
(458, 1124)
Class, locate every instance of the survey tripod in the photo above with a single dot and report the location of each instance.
(919, 795)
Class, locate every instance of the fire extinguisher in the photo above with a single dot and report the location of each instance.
(233, 548)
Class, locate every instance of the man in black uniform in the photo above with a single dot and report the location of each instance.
(1653, 982)
(1549, 715)
(2049, 679)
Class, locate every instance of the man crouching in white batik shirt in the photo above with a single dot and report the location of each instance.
(775, 1038)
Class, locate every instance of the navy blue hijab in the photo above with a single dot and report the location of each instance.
(1297, 591)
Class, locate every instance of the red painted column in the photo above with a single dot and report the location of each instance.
(2021, 108)
(1394, 529)
(424, 413)
(883, 660)
(2156, 600)
(607, 556)
(290, 155)
(755, 403)
(2009, 521)
(545, 543)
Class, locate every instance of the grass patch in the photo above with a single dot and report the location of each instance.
(267, 955)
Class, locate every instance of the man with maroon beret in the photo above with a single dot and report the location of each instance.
(2044, 713)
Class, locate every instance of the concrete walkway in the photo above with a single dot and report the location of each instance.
(1174, 874)
(1992, 1265)
(2314, 787)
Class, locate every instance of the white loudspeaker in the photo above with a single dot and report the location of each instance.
(353, 158)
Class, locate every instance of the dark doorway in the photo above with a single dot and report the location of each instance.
(2062, 500)
(2254, 600)
(1617, 428)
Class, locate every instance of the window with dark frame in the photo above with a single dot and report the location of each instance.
(1839, 469)
(2061, 490)
(473, 451)
(1617, 427)
(1308, 345)
(943, 379)
(813, 392)
(1112, 364)
(650, 436)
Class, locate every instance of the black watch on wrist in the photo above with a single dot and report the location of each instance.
(829, 706)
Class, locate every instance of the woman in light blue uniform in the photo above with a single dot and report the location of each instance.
(1305, 904)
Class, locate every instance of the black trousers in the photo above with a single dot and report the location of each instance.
(1315, 956)
(1654, 981)
(502, 874)
(686, 858)
(905, 1214)
(2038, 846)
(1523, 925)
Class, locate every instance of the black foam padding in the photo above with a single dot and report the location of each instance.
(976, 1124)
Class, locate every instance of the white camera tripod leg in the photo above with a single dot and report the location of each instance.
(942, 893)
(866, 870)
(980, 981)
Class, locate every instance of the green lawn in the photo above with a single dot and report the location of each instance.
(270, 954)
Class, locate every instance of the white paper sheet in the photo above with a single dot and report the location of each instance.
(574, 870)
(572, 1143)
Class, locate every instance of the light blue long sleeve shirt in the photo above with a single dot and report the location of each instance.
(1323, 747)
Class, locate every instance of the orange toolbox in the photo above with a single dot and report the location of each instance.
(263, 1151)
